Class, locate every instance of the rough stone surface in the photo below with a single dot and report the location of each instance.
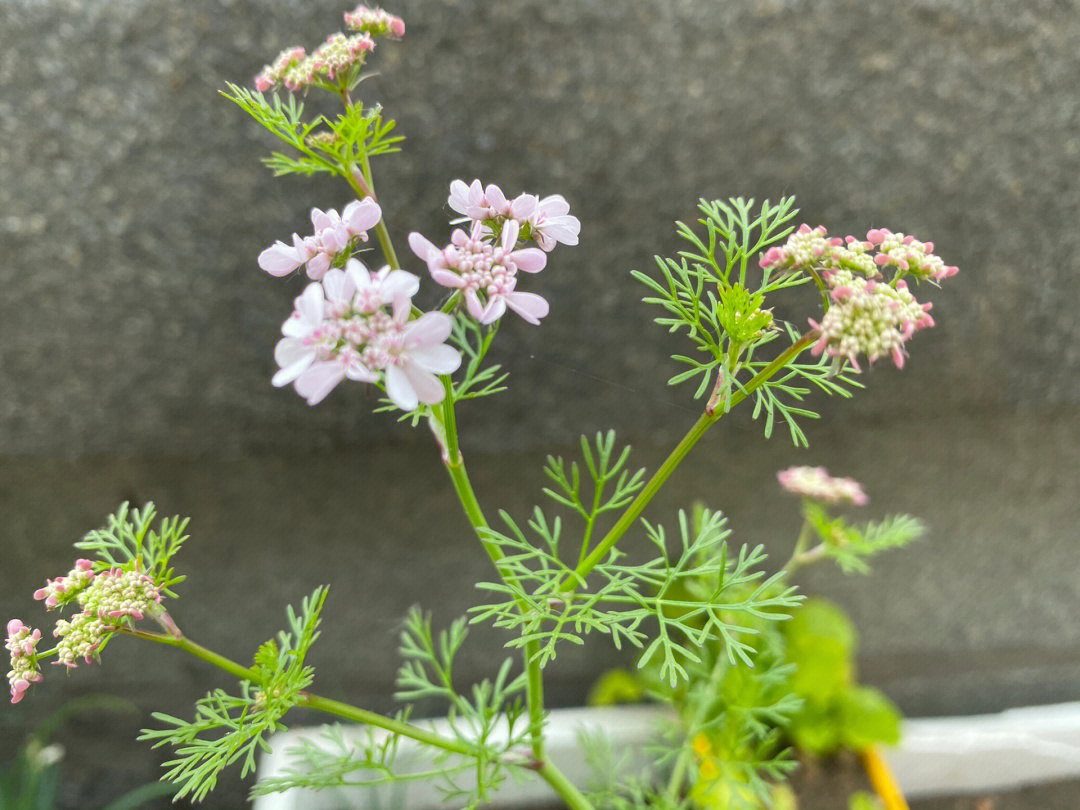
(136, 330)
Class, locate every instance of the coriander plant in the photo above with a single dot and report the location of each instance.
(559, 575)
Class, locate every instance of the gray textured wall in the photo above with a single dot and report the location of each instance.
(136, 330)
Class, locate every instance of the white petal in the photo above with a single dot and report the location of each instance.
(400, 390)
(530, 306)
(510, 234)
(423, 247)
(280, 259)
(293, 357)
(429, 329)
(339, 287)
(427, 387)
(523, 206)
(494, 310)
(398, 282)
(554, 205)
(310, 303)
(438, 359)
(319, 380)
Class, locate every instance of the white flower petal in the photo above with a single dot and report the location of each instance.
(429, 329)
(400, 390)
(427, 387)
(319, 380)
(439, 359)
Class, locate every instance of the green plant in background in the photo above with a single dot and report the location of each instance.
(703, 614)
(33, 779)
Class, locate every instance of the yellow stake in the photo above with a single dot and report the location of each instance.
(882, 779)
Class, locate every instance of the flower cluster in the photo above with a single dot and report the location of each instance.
(341, 329)
(334, 239)
(817, 484)
(485, 271)
(65, 589)
(295, 70)
(869, 317)
(546, 220)
(375, 22)
(285, 70)
(908, 254)
(22, 645)
(113, 595)
(813, 249)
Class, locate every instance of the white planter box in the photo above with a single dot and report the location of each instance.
(937, 756)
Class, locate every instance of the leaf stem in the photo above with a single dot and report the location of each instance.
(322, 704)
(699, 428)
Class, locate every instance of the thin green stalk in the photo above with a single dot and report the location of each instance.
(322, 704)
(678, 773)
(704, 422)
(455, 466)
(805, 533)
(573, 797)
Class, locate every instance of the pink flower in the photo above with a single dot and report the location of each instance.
(334, 235)
(548, 220)
(65, 589)
(869, 317)
(485, 272)
(341, 53)
(551, 223)
(816, 483)
(341, 330)
(22, 646)
(275, 73)
(375, 21)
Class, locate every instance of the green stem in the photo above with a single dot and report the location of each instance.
(704, 422)
(678, 773)
(573, 797)
(322, 704)
(455, 466)
(805, 533)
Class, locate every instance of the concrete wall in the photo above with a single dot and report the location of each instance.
(136, 330)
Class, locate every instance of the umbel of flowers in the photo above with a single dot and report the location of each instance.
(871, 315)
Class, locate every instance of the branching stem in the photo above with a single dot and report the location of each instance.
(321, 704)
(704, 422)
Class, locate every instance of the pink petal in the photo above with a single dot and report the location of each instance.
(361, 277)
(399, 282)
(447, 278)
(427, 387)
(358, 372)
(423, 247)
(339, 286)
(280, 259)
(472, 301)
(429, 329)
(400, 389)
(531, 260)
(523, 206)
(439, 359)
(530, 306)
(317, 266)
(554, 205)
(361, 216)
(495, 197)
(319, 380)
(494, 310)
(459, 197)
(510, 234)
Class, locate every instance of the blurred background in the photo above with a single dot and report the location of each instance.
(136, 331)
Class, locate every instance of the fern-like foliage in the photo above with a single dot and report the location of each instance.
(627, 600)
(230, 728)
(709, 293)
(129, 538)
(321, 144)
(851, 545)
